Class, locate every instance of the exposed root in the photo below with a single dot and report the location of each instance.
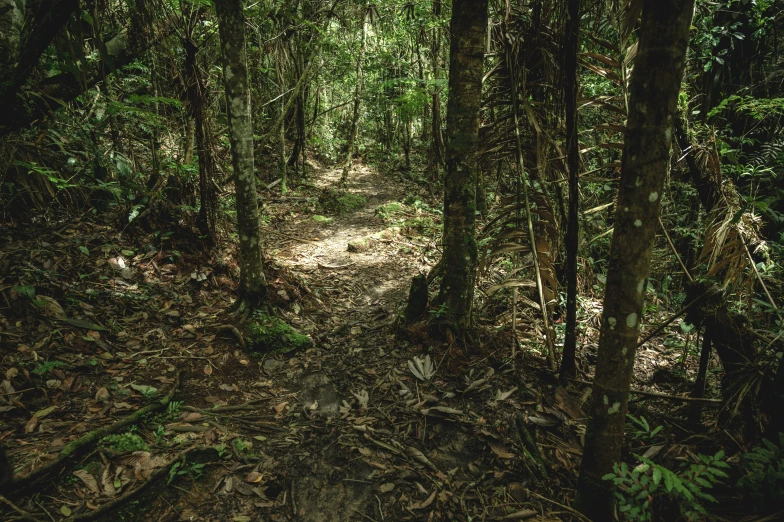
(233, 330)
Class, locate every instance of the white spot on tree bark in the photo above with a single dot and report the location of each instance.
(637, 223)
(653, 196)
(631, 320)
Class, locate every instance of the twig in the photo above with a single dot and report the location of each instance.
(21, 512)
(562, 506)
(675, 251)
(714, 402)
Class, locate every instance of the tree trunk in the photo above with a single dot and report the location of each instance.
(196, 96)
(231, 24)
(282, 117)
(352, 135)
(466, 65)
(436, 157)
(568, 367)
(654, 91)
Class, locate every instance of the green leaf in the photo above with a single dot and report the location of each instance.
(84, 250)
(657, 475)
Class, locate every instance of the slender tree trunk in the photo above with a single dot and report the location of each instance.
(352, 135)
(190, 136)
(466, 65)
(231, 24)
(654, 89)
(571, 45)
(436, 157)
(282, 116)
(197, 96)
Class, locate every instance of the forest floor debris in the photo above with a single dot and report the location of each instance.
(97, 324)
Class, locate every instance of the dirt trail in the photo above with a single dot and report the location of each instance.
(341, 431)
(356, 269)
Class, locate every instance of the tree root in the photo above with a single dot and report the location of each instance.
(21, 512)
(234, 331)
(115, 503)
(39, 475)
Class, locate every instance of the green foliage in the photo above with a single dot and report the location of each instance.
(439, 312)
(125, 442)
(269, 333)
(388, 210)
(424, 225)
(763, 478)
(640, 429)
(183, 467)
(43, 368)
(641, 489)
(322, 219)
(332, 201)
(756, 108)
(638, 490)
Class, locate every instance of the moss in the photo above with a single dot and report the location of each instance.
(322, 219)
(350, 203)
(422, 225)
(333, 201)
(125, 442)
(388, 210)
(269, 333)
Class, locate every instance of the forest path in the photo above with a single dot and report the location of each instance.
(356, 263)
(342, 430)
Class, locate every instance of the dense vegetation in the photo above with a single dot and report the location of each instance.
(579, 181)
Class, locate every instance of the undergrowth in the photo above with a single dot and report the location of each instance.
(271, 334)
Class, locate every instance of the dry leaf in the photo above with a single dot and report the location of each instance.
(88, 480)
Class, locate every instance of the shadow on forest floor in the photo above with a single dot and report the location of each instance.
(342, 431)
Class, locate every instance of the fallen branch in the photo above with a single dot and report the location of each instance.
(23, 483)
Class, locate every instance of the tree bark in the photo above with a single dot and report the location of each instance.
(466, 65)
(196, 95)
(231, 25)
(654, 91)
(352, 135)
(571, 45)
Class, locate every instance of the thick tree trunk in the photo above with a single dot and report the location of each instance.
(352, 135)
(231, 24)
(568, 367)
(466, 65)
(654, 91)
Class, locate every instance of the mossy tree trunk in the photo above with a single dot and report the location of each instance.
(231, 25)
(654, 91)
(466, 65)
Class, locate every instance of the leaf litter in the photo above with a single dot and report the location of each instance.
(122, 335)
